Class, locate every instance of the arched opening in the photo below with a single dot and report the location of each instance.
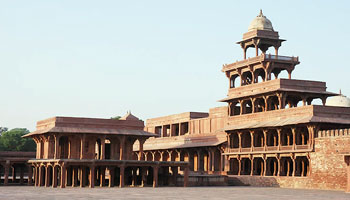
(259, 75)
(234, 140)
(284, 74)
(234, 81)
(258, 138)
(175, 156)
(166, 156)
(286, 137)
(63, 147)
(50, 170)
(116, 176)
(258, 166)
(149, 156)
(98, 149)
(234, 166)
(135, 155)
(301, 166)
(272, 103)
(272, 137)
(247, 106)
(235, 108)
(247, 78)
(259, 105)
(108, 149)
(246, 166)
(272, 166)
(302, 136)
(157, 156)
(286, 166)
(292, 101)
(246, 139)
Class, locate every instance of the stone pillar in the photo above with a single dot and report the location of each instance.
(134, 176)
(111, 177)
(122, 175)
(75, 177)
(279, 138)
(21, 175)
(122, 141)
(63, 176)
(103, 148)
(82, 176)
(13, 173)
(30, 175)
(293, 159)
(265, 139)
(265, 165)
(174, 171)
(6, 173)
(102, 176)
(82, 145)
(293, 132)
(54, 176)
(155, 176)
(92, 176)
(40, 176)
(210, 160)
(143, 176)
(239, 141)
(47, 177)
(36, 176)
(239, 166)
(141, 155)
(57, 152)
(279, 166)
(186, 176)
(251, 166)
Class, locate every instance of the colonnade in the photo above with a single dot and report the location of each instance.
(272, 139)
(91, 175)
(85, 146)
(269, 165)
(15, 173)
(202, 160)
(268, 102)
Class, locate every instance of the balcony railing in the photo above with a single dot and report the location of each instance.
(271, 149)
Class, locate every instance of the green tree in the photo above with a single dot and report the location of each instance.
(12, 141)
(116, 118)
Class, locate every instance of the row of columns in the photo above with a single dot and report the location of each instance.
(279, 168)
(311, 129)
(53, 148)
(201, 160)
(62, 175)
(7, 167)
(266, 103)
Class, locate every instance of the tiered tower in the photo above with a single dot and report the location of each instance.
(271, 121)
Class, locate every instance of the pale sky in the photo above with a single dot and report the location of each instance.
(103, 58)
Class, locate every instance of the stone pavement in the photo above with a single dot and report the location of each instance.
(190, 193)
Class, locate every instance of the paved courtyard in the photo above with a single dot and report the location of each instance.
(25, 192)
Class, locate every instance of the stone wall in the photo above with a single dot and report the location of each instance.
(328, 168)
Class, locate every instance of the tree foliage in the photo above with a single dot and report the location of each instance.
(12, 140)
(116, 117)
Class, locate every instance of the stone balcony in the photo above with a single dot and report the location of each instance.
(292, 85)
(259, 59)
(269, 149)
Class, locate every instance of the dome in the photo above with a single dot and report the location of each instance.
(340, 100)
(260, 23)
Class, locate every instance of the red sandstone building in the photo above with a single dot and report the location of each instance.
(88, 152)
(271, 132)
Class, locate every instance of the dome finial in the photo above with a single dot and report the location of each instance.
(261, 14)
